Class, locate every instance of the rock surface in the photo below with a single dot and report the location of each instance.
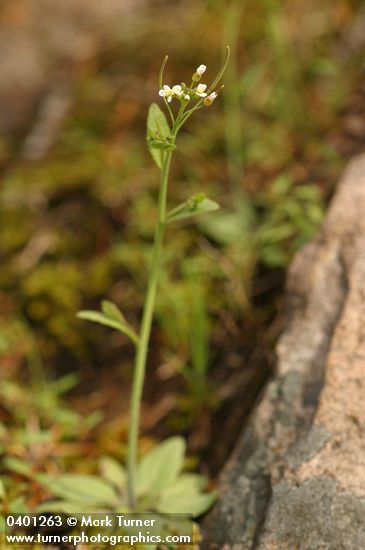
(296, 480)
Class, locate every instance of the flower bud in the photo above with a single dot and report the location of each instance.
(199, 72)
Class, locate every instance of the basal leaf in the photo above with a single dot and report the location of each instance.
(188, 483)
(80, 489)
(186, 503)
(18, 506)
(160, 467)
(113, 472)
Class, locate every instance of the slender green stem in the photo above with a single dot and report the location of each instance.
(149, 304)
(142, 348)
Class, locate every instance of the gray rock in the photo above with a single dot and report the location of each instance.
(296, 479)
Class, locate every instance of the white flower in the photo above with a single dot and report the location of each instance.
(201, 70)
(209, 100)
(200, 90)
(177, 90)
(170, 93)
(187, 97)
(166, 92)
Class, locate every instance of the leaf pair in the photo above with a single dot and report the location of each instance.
(196, 204)
(110, 316)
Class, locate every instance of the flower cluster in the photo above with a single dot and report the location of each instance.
(184, 93)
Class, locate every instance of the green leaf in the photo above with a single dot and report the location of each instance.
(197, 204)
(18, 506)
(112, 311)
(160, 467)
(308, 193)
(65, 383)
(161, 145)
(281, 186)
(102, 319)
(156, 122)
(157, 131)
(98, 317)
(185, 502)
(18, 466)
(94, 418)
(188, 483)
(80, 489)
(274, 234)
(113, 472)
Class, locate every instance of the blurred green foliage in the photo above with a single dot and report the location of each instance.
(77, 223)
